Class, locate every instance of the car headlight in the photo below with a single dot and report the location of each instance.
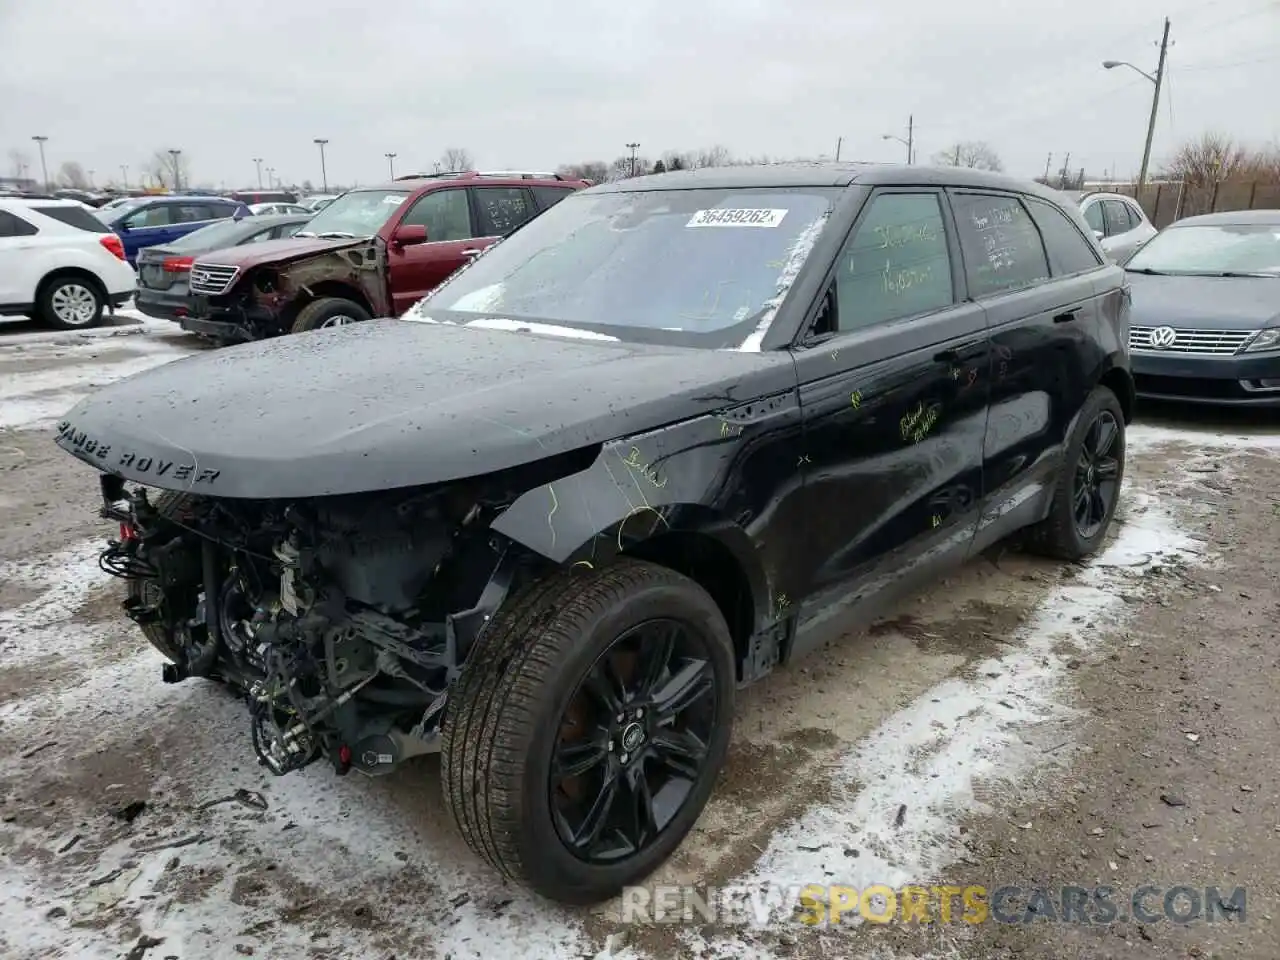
(1264, 340)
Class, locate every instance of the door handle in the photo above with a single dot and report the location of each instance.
(1068, 316)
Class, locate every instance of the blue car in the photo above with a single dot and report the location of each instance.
(156, 220)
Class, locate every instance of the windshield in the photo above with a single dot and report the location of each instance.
(1220, 248)
(220, 234)
(115, 208)
(360, 213)
(686, 267)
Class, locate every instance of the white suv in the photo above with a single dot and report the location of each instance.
(60, 263)
(1118, 222)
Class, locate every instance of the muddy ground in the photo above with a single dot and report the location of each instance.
(1024, 724)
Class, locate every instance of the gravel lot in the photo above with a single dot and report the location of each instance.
(1025, 723)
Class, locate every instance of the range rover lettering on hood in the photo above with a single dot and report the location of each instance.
(119, 460)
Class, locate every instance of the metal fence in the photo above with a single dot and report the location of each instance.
(1170, 201)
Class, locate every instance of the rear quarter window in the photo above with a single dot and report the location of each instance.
(14, 226)
(1069, 252)
(74, 217)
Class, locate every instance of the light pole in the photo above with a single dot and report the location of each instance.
(44, 169)
(391, 164)
(124, 174)
(324, 175)
(1158, 80)
(270, 178)
(90, 179)
(258, 163)
(910, 142)
(177, 170)
(633, 147)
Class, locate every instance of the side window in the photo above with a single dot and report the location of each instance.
(1093, 217)
(1069, 251)
(156, 215)
(1001, 245)
(444, 213)
(259, 237)
(1135, 216)
(13, 226)
(896, 264)
(502, 209)
(286, 230)
(548, 197)
(1116, 216)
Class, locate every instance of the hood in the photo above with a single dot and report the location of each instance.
(1204, 303)
(272, 251)
(389, 404)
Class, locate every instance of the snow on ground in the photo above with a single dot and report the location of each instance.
(132, 807)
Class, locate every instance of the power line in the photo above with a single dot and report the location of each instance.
(1228, 66)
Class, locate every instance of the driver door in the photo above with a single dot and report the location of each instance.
(414, 270)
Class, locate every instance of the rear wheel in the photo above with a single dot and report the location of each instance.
(584, 736)
(1088, 488)
(329, 312)
(71, 303)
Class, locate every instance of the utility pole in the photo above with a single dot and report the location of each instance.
(957, 160)
(391, 164)
(44, 169)
(633, 147)
(177, 170)
(839, 144)
(258, 163)
(911, 139)
(1048, 160)
(270, 179)
(1155, 107)
(124, 174)
(1062, 178)
(324, 174)
(90, 172)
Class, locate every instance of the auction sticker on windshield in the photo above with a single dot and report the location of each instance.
(736, 218)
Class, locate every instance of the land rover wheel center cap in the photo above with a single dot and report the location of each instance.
(632, 737)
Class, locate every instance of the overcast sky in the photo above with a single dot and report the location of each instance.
(532, 85)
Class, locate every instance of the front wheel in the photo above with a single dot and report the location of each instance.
(329, 312)
(1088, 487)
(585, 734)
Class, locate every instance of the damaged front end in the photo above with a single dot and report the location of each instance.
(263, 298)
(343, 620)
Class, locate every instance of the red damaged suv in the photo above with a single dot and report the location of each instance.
(373, 252)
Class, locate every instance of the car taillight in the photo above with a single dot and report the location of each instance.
(177, 264)
(113, 244)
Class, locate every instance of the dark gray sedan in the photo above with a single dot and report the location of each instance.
(1205, 323)
(163, 270)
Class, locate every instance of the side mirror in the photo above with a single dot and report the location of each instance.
(410, 234)
(1097, 235)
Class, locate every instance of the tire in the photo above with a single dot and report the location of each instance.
(329, 312)
(506, 714)
(1060, 536)
(167, 503)
(71, 302)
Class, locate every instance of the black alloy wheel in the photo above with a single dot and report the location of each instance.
(633, 741)
(1097, 476)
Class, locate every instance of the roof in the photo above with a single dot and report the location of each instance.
(1234, 218)
(187, 198)
(825, 174)
(37, 202)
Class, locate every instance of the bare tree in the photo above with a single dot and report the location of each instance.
(71, 174)
(1213, 156)
(597, 171)
(977, 154)
(20, 163)
(716, 156)
(169, 170)
(622, 167)
(675, 160)
(456, 160)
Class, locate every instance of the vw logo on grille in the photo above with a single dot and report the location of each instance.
(1163, 337)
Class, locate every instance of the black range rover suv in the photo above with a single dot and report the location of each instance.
(662, 439)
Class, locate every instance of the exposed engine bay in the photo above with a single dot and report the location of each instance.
(343, 620)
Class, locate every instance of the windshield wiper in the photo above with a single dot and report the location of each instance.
(1147, 270)
(1246, 273)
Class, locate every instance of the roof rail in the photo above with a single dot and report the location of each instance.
(475, 174)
